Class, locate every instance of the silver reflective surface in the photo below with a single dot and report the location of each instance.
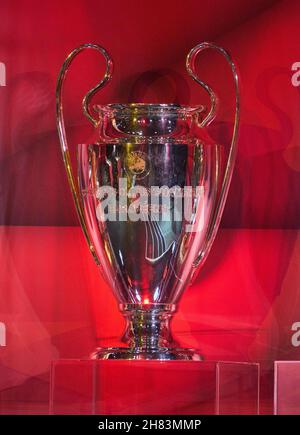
(148, 258)
(148, 262)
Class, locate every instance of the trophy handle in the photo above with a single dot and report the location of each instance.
(190, 66)
(87, 112)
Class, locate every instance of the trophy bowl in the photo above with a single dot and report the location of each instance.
(149, 193)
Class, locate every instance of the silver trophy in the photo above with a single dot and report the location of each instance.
(149, 194)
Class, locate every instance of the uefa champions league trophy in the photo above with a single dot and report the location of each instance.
(149, 194)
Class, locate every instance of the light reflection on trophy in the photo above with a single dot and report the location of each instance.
(149, 195)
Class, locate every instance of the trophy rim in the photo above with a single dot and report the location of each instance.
(148, 108)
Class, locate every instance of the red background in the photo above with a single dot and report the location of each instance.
(53, 302)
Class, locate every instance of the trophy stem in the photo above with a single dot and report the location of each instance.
(147, 335)
(148, 326)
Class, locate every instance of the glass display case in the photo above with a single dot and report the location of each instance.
(153, 387)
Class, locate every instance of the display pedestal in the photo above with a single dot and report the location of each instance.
(287, 387)
(153, 387)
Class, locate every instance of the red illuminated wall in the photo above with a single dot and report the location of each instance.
(53, 302)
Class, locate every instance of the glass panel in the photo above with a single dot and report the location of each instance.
(152, 387)
(287, 387)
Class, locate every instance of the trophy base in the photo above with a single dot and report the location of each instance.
(148, 336)
(162, 354)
